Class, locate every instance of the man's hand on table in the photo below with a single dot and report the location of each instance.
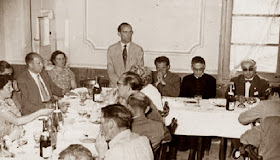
(101, 145)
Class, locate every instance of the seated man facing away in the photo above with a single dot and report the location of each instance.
(123, 144)
(166, 82)
(76, 152)
(266, 108)
(138, 104)
(265, 137)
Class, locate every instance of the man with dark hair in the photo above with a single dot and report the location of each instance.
(123, 144)
(123, 54)
(76, 152)
(198, 83)
(138, 104)
(166, 82)
(36, 86)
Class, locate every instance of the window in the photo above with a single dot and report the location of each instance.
(250, 29)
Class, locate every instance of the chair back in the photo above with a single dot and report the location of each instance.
(253, 153)
(162, 153)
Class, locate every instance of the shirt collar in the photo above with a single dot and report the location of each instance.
(250, 79)
(33, 75)
(127, 45)
(198, 77)
(119, 137)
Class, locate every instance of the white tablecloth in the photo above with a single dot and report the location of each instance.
(206, 120)
(71, 133)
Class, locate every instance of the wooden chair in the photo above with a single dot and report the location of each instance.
(163, 150)
(252, 153)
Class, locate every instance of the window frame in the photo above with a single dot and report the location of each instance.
(225, 46)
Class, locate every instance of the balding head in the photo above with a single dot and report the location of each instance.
(249, 68)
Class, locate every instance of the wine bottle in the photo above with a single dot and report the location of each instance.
(96, 89)
(52, 132)
(230, 98)
(57, 118)
(45, 145)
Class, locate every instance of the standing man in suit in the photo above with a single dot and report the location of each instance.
(123, 54)
(36, 86)
(166, 82)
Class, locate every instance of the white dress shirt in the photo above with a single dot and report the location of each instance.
(129, 146)
(34, 76)
(247, 87)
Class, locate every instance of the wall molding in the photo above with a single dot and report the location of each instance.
(198, 44)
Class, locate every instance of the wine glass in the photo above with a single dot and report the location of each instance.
(83, 98)
(82, 113)
(36, 136)
(198, 98)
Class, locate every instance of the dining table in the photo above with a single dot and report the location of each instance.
(208, 117)
(80, 126)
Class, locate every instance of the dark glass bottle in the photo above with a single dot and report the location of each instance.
(52, 132)
(96, 90)
(57, 118)
(45, 145)
(230, 98)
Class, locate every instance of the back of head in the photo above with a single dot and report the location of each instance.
(133, 80)
(198, 59)
(4, 79)
(4, 65)
(138, 101)
(76, 152)
(145, 73)
(30, 57)
(162, 59)
(119, 113)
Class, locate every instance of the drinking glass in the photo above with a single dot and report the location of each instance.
(83, 98)
(82, 113)
(36, 136)
(198, 98)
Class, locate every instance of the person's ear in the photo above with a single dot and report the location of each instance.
(168, 67)
(111, 123)
(119, 33)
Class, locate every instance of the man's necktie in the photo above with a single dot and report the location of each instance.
(124, 55)
(46, 97)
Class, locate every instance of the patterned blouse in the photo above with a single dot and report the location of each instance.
(62, 78)
(7, 105)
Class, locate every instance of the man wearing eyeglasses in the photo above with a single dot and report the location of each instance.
(249, 84)
(198, 83)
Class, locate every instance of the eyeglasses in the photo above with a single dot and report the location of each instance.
(248, 69)
(198, 69)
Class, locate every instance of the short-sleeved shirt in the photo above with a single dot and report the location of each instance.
(62, 78)
(7, 106)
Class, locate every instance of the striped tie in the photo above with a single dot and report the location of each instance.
(45, 96)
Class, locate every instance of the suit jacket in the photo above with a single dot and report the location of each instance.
(115, 65)
(257, 88)
(31, 99)
(205, 86)
(172, 87)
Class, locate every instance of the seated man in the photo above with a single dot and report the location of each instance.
(198, 83)
(246, 85)
(35, 85)
(262, 110)
(76, 151)
(265, 137)
(249, 84)
(123, 144)
(138, 104)
(166, 82)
